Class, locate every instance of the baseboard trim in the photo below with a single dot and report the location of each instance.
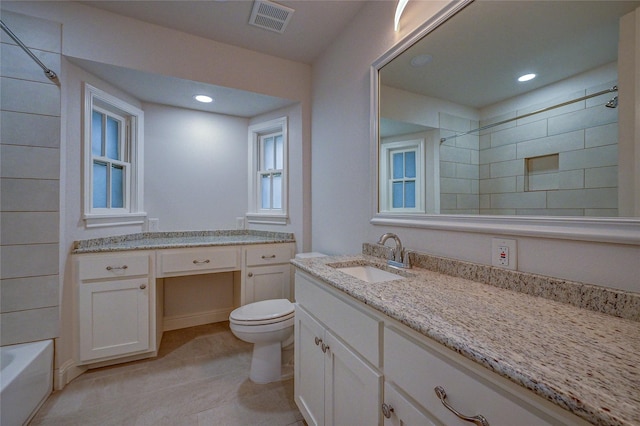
(183, 321)
(66, 373)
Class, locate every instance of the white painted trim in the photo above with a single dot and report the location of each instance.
(606, 230)
(609, 230)
(267, 219)
(97, 220)
(134, 213)
(255, 215)
(191, 320)
(66, 373)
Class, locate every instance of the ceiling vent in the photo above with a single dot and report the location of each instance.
(270, 16)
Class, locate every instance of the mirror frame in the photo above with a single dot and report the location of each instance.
(594, 229)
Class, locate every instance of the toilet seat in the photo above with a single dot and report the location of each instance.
(263, 312)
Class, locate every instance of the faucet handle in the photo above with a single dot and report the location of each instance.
(406, 260)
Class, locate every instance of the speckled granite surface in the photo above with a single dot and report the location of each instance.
(162, 240)
(610, 301)
(585, 361)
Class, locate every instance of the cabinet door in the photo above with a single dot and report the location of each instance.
(401, 411)
(309, 368)
(114, 318)
(352, 388)
(268, 282)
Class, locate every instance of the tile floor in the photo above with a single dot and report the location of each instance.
(200, 377)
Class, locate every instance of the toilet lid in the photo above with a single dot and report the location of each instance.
(263, 310)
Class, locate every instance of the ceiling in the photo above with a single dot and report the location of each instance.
(314, 25)
(477, 55)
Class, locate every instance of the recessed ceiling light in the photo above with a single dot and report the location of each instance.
(203, 98)
(421, 60)
(526, 77)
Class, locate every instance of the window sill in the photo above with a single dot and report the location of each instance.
(270, 219)
(99, 220)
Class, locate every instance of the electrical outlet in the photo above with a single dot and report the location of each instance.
(239, 222)
(504, 253)
(153, 224)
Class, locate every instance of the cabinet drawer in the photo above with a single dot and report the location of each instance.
(119, 265)
(204, 260)
(358, 329)
(268, 254)
(417, 369)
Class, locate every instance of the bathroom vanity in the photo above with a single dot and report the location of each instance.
(119, 284)
(390, 352)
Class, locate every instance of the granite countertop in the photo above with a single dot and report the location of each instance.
(164, 240)
(586, 361)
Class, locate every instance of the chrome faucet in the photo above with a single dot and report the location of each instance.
(398, 251)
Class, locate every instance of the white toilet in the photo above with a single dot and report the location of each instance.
(267, 324)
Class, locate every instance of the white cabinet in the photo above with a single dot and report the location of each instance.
(399, 410)
(309, 368)
(192, 261)
(417, 366)
(340, 385)
(267, 272)
(115, 300)
(334, 384)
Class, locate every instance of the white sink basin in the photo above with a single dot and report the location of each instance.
(369, 274)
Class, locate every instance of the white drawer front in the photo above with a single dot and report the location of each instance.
(358, 329)
(209, 259)
(418, 369)
(119, 265)
(269, 254)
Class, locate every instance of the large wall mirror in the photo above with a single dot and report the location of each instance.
(458, 138)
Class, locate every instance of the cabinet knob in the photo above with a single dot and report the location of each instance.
(479, 420)
(387, 410)
(143, 286)
(250, 274)
(325, 348)
(318, 341)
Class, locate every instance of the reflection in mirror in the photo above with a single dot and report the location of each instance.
(459, 134)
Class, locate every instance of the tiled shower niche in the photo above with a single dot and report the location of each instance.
(562, 162)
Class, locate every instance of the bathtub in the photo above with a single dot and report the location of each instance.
(26, 380)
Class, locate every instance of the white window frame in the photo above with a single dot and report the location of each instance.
(386, 151)
(256, 214)
(132, 213)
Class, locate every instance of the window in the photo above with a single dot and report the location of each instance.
(113, 168)
(401, 169)
(268, 172)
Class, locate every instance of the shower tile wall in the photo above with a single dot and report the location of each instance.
(583, 136)
(30, 182)
(459, 173)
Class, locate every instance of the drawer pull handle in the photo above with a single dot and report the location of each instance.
(143, 286)
(114, 268)
(479, 419)
(271, 256)
(201, 262)
(387, 410)
(325, 348)
(318, 341)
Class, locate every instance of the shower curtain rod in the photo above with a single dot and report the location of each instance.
(50, 74)
(611, 104)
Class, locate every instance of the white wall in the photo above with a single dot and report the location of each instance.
(89, 33)
(30, 182)
(195, 165)
(342, 199)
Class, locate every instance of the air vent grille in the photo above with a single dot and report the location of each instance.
(270, 16)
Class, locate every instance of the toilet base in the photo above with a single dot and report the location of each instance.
(266, 363)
